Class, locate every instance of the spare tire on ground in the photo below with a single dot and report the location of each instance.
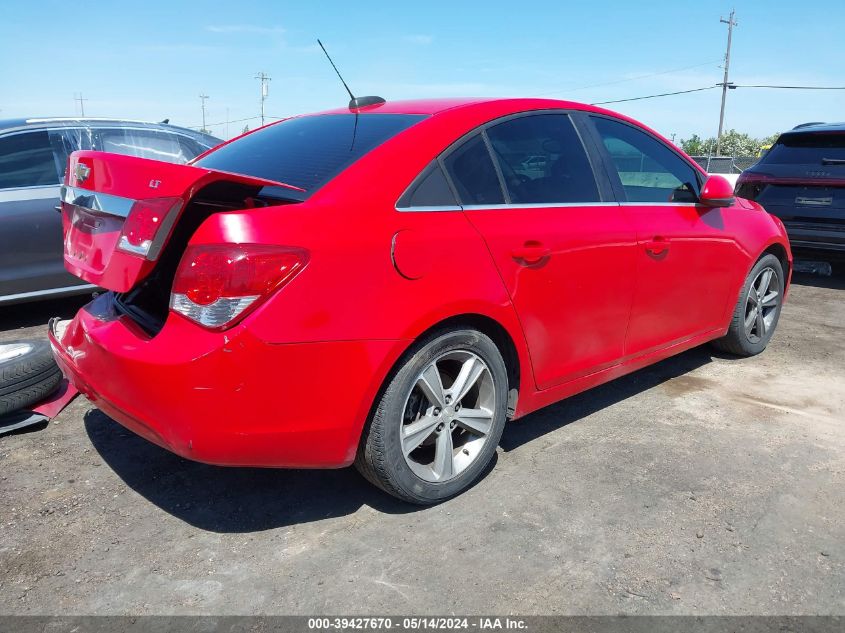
(28, 374)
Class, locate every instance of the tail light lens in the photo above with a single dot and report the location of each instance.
(147, 226)
(218, 284)
(750, 186)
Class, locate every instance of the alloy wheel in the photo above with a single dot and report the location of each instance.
(762, 304)
(448, 416)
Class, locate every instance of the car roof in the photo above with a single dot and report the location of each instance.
(36, 123)
(817, 127)
(437, 106)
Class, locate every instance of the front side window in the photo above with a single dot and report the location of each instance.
(27, 160)
(542, 160)
(648, 169)
(473, 173)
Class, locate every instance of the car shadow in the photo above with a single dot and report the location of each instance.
(239, 500)
(23, 315)
(227, 499)
(832, 282)
(577, 407)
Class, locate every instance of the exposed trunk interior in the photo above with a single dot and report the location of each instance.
(148, 303)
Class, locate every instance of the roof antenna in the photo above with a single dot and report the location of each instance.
(354, 102)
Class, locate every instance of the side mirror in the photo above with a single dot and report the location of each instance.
(716, 192)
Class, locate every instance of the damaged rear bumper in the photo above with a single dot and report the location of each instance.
(224, 398)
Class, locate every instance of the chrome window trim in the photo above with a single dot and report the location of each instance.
(539, 205)
(35, 294)
(662, 204)
(31, 192)
(432, 209)
(532, 205)
(96, 201)
(102, 125)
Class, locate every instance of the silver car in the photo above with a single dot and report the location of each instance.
(33, 156)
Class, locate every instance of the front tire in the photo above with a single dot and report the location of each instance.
(440, 419)
(757, 310)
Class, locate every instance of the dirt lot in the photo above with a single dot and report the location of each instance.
(702, 485)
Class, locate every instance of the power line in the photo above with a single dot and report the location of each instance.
(249, 118)
(662, 94)
(620, 81)
(787, 87)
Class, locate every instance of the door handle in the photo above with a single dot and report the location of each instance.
(657, 246)
(530, 252)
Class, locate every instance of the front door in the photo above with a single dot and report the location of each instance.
(31, 235)
(686, 261)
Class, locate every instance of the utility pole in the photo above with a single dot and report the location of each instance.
(81, 103)
(264, 79)
(203, 97)
(731, 24)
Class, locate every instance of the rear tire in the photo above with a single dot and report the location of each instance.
(757, 309)
(439, 420)
(28, 374)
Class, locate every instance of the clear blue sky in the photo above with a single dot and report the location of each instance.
(152, 60)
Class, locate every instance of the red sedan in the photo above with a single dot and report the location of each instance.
(386, 286)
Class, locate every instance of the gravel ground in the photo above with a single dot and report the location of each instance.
(701, 485)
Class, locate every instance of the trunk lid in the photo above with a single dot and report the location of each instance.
(118, 212)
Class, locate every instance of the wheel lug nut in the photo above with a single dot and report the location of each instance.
(448, 399)
(439, 428)
(436, 411)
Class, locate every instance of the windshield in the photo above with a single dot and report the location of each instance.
(810, 148)
(306, 151)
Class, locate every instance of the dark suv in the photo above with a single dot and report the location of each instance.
(802, 181)
(33, 156)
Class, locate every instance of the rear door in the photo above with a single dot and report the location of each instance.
(31, 164)
(564, 250)
(686, 259)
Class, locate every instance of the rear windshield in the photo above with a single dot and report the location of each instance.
(306, 151)
(810, 148)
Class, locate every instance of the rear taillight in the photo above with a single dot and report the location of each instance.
(750, 185)
(147, 226)
(218, 284)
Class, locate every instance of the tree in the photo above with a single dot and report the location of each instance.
(694, 145)
(733, 144)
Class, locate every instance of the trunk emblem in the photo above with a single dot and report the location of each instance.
(154, 184)
(81, 172)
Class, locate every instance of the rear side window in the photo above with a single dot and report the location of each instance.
(430, 190)
(307, 151)
(808, 149)
(648, 169)
(542, 160)
(473, 174)
(143, 144)
(26, 160)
